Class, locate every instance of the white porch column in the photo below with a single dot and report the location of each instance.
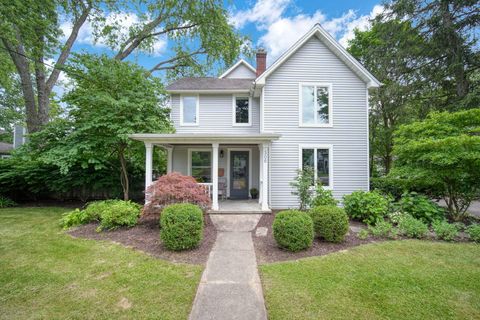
(148, 164)
(264, 157)
(215, 176)
(169, 159)
(260, 172)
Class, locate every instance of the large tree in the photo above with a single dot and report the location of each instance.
(105, 106)
(197, 32)
(452, 29)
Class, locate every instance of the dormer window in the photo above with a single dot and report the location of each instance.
(189, 106)
(241, 111)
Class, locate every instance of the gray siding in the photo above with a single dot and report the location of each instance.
(215, 115)
(180, 160)
(241, 72)
(314, 62)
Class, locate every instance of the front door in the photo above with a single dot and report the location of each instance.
(239, 174)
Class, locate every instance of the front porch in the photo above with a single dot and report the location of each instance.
(227, 166)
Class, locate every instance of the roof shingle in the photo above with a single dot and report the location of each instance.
(210, 83)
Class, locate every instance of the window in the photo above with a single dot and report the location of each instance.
(318, 158)
(315, 105)
(241, 111)
(200, 165)
(189, 110)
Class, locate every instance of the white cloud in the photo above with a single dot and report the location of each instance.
(124, 21)
(281, 31)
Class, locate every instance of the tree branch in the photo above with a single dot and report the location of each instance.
(159, 67)
(67, 47)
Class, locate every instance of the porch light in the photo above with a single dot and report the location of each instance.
(221, 153)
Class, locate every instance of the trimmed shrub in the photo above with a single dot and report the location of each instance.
(174, 188)
(329, 222)
(118, 213)
(444, 230)
(473, 232)
(382, 229)
(6, 202)
(421, 207)
(412, 228)
(323, 197)
(368, 207)
(75, 218)
(181, 226)
(293, 230)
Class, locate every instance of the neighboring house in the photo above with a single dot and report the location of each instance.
(5, 149)
(254, 128)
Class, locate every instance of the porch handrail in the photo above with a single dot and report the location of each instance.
(208, 187)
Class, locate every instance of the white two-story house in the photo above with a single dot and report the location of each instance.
(255, 127)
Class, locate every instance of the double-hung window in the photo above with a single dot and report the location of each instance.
(200, 165)
(319, 158)
(315, 105)
(189, 106)
(242, 112)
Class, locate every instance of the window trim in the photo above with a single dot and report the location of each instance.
(189, 164)
(330, 104)
(197, 117)
(330, 159)
(234, 111)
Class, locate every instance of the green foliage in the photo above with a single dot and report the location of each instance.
(473, 232)
(182, 226)
(254, 193)
(363, 234)
(412, 228)
(329, 222)
(302, 186)
(6, 202)
(396, 216)
(420, 207)
(368, 207)
(444, 230)
(323, 197)
(76, 217)
(118, 213)
(382, 229)
(445, 149)
(293, 230)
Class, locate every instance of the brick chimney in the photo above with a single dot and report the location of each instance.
(261, 61)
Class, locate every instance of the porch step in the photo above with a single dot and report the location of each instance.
(239, 211)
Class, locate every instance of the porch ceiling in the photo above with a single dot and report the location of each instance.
(203, 138)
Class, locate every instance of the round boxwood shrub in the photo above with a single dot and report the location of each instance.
(368, 207)
(293, 230)
(329, 222)
(181, 226)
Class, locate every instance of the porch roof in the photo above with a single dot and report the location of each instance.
(203, 138)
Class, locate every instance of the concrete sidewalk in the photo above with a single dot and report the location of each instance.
(230, 287)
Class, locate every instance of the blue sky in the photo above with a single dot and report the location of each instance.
(272, 24)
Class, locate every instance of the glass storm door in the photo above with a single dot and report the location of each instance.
(239, 174)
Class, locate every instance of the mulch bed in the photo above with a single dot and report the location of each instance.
(267, 250)
(146, 237)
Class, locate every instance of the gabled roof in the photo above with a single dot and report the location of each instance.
(334, 46)
(209, 84)
(239, 62)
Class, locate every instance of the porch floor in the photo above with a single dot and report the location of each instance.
(239, 206)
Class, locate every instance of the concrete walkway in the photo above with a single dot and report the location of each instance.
(230, 287)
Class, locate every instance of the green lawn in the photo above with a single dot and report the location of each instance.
(390, 280)
(45, 274)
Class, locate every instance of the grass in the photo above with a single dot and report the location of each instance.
(46, 274)
(390, 280)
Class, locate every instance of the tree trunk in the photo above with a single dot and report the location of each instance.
(124, 173)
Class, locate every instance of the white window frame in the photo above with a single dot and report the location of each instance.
(330, 160)
(197, 117)
(190, 150)
(234, 111)
(330, 104)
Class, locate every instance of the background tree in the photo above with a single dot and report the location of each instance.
(105, 106)
(30, 32)
(444, 150)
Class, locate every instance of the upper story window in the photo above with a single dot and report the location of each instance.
(189, 110)
(315, 105)
(242, 112)
(318, 157)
